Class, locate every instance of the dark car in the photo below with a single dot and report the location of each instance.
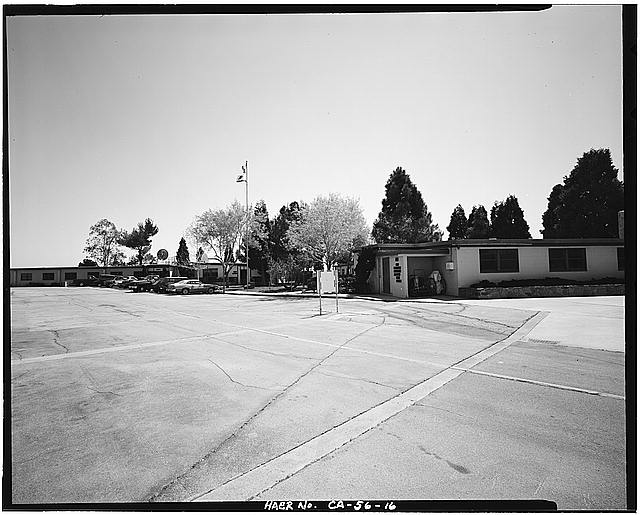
(160, 286)
(143, 284)
(89, 281)
(191, 286)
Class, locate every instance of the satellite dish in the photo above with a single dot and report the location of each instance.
(163, 254)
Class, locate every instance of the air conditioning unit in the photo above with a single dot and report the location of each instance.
(449, 265)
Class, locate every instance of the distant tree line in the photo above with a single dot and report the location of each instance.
(304, 237)
(586, 205)
(104, 244)
(507, 221)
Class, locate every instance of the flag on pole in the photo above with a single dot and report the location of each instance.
(243, 176)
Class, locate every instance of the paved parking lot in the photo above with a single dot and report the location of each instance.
(122, 397)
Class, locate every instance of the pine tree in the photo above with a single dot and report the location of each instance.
(404, 217)
(507, 220)
(139, 239)
(458, 224)
(587, 204)
(478, 223)
(182, 256)
(259, 241)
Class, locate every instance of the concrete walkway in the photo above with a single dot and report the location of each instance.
(588, 322)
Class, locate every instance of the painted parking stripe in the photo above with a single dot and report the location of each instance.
(248, 485)
(541, 383)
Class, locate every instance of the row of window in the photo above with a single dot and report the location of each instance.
(48, 276)
(68, 276)
(560, 260)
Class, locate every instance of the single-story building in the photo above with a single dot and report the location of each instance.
(57, 276)
(401, 270)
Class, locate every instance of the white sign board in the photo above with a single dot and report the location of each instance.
(326, 282)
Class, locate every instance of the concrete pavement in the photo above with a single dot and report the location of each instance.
(122, 397)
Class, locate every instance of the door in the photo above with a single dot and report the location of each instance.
(386, 276)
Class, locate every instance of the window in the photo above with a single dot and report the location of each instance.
(568, 260)
(47, 276)
(95, 275)
(210, 273)
(26, 276)
(70, 276)
(620, 259)
(499, 260)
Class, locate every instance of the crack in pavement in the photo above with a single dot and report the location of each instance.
(454, 466)
(251, 484)
(423, 405)
(56, 340)
(100, 391)
(284, 354)
(238, 382)
(345, 376)
(233, 435)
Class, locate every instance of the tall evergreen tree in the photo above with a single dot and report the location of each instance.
(478, 223)
(458, 224)
(586, 205)
(404, 217)
(507, 220)
(182, 256)
(259, 240)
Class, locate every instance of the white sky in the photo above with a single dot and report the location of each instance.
(128, 117)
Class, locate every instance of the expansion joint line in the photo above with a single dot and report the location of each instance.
(257, 413)
(541, 383)
(252, 483)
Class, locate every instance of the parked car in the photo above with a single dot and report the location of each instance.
(89, 281)
(160, 286)
(191, 286)
(106, 279)
(143, 284)
(123, 282)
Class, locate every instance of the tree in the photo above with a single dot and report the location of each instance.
(286, 263)
(478, 223)
(586, 205)
(182, 256)
(507, 220)
(329, 227)
(102, 244)
(259, 239)
(458, 224)
(139, 239)
(87, 262)
(221, 231)
(404, 217)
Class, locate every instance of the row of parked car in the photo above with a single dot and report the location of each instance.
(181, 285)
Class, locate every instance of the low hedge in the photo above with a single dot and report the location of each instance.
(547, 281)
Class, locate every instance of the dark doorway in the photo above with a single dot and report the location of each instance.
(386, 276)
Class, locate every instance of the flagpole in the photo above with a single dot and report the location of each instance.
(246, 183)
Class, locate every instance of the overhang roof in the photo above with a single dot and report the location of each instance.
(443, 246)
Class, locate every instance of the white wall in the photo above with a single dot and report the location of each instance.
(534, 264)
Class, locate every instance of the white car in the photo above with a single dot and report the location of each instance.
(191, 286)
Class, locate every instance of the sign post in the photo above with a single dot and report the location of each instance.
(327, 282)
(319, 285)
(335, 274)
